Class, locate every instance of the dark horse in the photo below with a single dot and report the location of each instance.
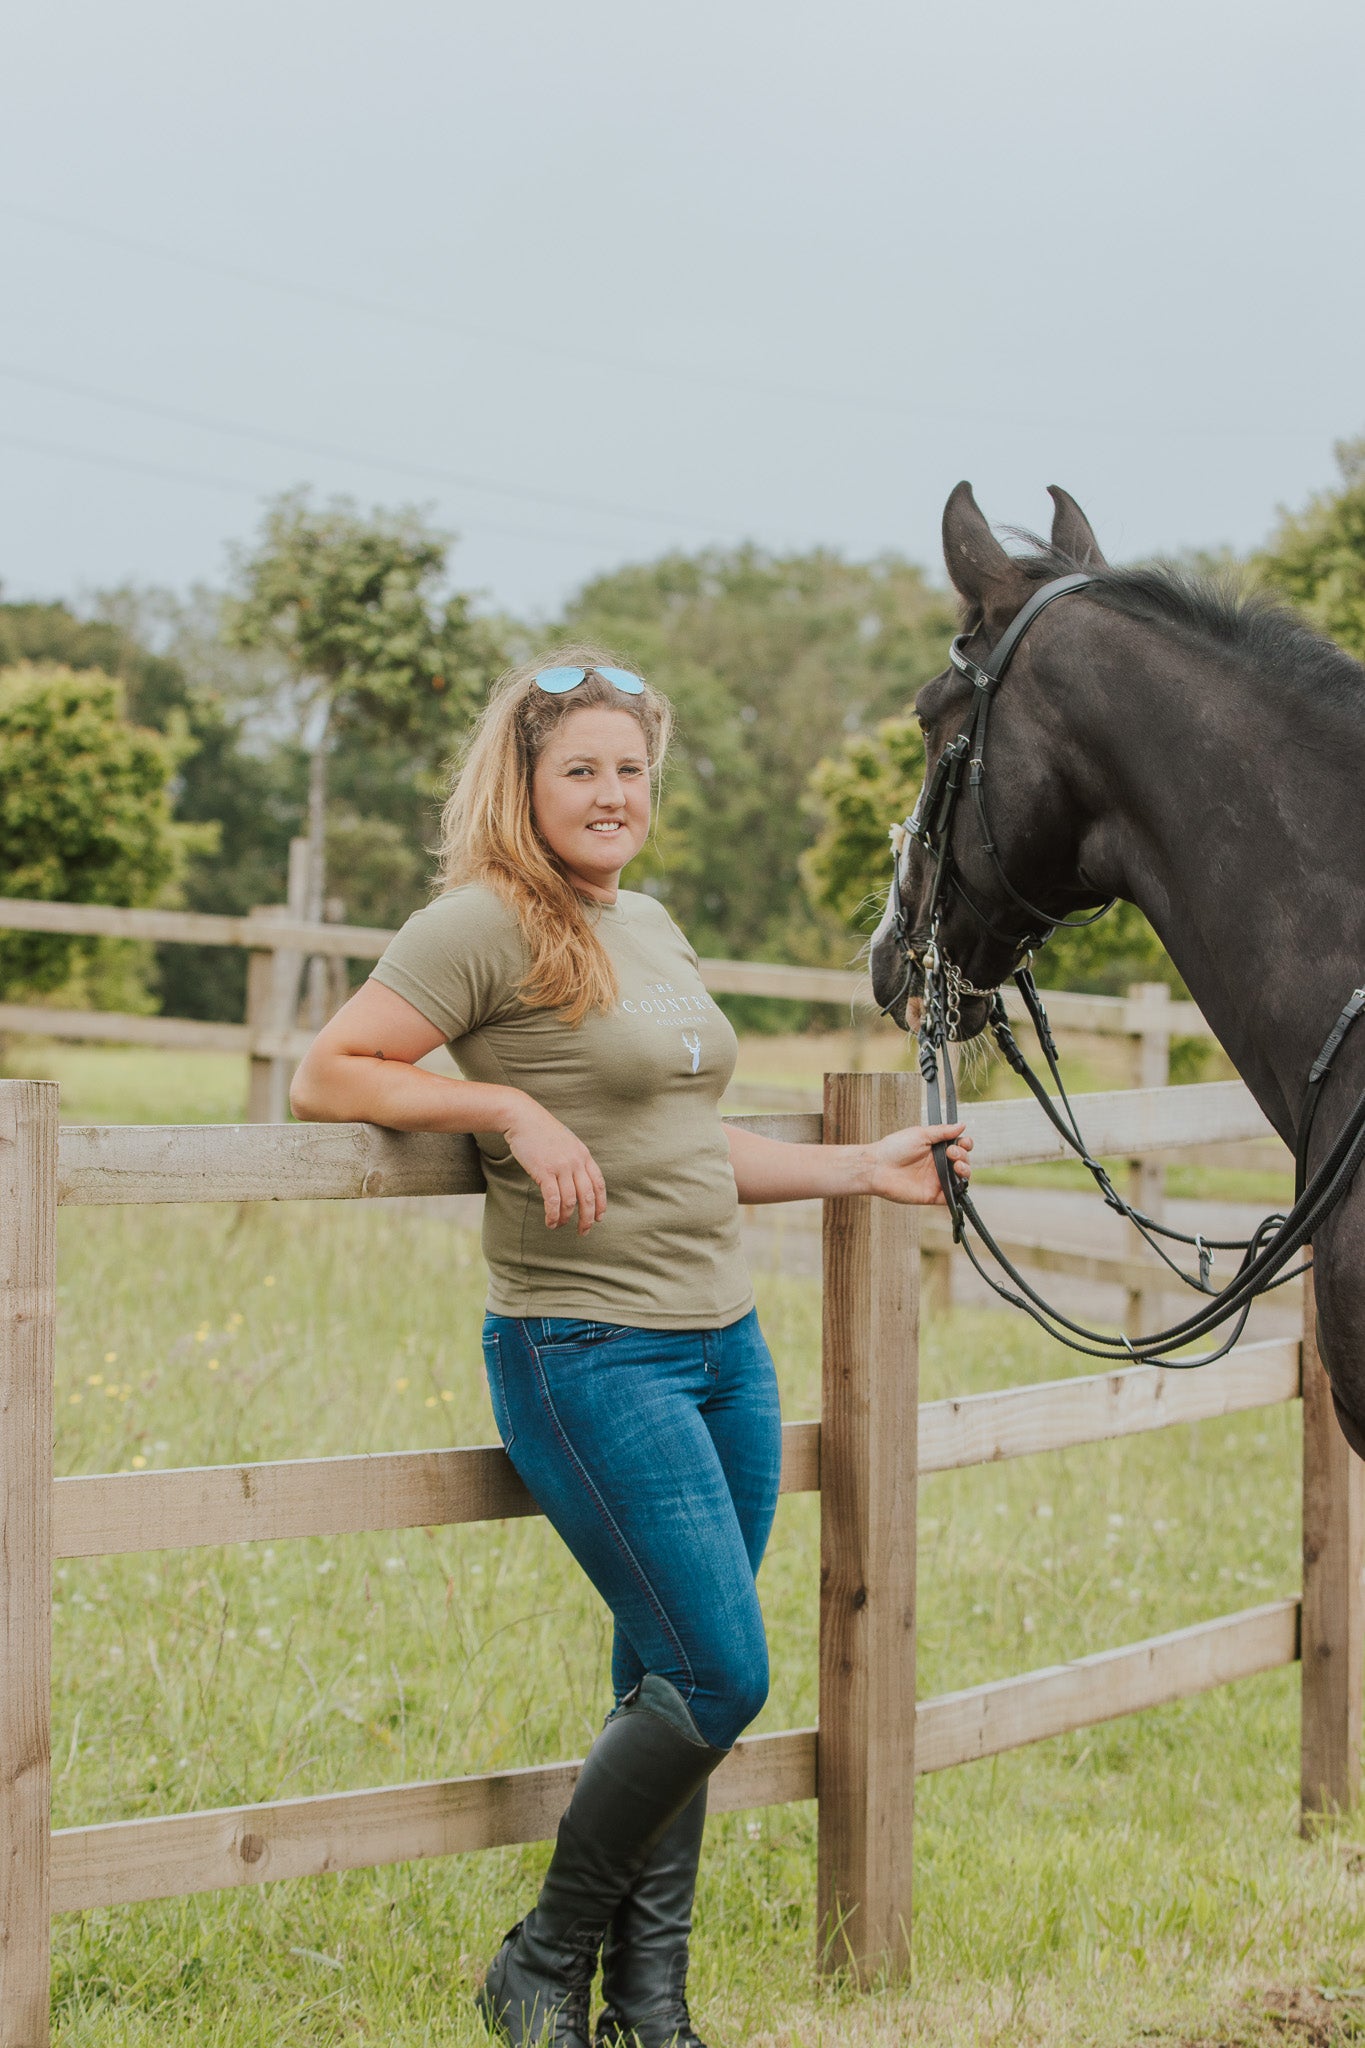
(1203, 757)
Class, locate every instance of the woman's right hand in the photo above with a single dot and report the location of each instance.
(560, 1164)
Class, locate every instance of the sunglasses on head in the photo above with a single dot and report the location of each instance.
(555, 681)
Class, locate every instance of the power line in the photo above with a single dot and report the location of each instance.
(559, 350)
(31, 446)
(152, 409)
(351, 302)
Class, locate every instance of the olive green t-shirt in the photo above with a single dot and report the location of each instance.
(639, 1085)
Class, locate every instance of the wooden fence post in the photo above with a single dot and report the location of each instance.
(28, 1310)
(273, 978)
(936, 1282)
(1151, 1042)
(1332, 1638)
(267, 1093)
(868, 1465)
(338, 979)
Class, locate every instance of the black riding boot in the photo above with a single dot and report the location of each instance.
(646, 1765)
(644, 1956)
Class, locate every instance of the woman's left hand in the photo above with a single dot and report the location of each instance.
(903, 1167)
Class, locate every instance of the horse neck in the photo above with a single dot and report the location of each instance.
(1228, 811)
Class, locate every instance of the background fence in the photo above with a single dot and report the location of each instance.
(863, 1456)
(270, 1038)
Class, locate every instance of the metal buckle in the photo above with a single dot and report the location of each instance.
(977, 676)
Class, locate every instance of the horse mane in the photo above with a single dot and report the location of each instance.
(1214, 612)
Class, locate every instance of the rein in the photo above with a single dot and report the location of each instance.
(1275, 1241)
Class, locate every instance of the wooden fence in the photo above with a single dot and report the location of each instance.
(863, 1456)
(279, 940)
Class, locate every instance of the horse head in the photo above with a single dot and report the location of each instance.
(1010, 861)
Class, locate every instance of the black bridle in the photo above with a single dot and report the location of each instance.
(1275, 1241)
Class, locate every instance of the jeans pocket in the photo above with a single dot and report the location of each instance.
(560, 1337)
(497, 1390)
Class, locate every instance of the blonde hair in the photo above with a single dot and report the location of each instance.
(489, 833)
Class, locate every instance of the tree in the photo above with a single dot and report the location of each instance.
(85, 813)
(872, 782)
(353, 607)
(857, 795)
(770, 660)
(1317, 556)
(178, 678)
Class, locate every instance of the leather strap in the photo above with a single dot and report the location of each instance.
(1317, 1074)
(986, 674)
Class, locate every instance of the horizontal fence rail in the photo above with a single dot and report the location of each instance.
(113, 1512)
(108, 1163)
(1123, 1016)
(193, 928)
(120, 1862)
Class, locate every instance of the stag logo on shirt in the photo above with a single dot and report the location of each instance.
(692, 1040)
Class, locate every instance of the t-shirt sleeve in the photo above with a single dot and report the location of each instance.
(681, 936)
(460, 961)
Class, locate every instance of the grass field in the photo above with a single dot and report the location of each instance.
(1143, 1881)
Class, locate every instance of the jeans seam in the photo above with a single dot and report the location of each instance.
(494, 1342)
(609, 1521)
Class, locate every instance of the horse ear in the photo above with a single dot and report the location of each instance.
(1072, 533)
(980, 569)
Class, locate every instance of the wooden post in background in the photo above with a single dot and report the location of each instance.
(28, 1311)
(936, 1282)
(273, 979)
(1147, 1177)
(1332, 1640)
(338, 979)
(868, 1466)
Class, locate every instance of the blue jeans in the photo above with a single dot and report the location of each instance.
(656, 1456)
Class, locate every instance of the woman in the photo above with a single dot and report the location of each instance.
(629, 1378)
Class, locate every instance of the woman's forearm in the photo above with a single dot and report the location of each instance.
(361, 1088)
(900, 1167)
(767, 1170)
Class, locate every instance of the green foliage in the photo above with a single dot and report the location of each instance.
(154, 687)
(1317, 556)
(179, 679)
(352, 605)
(770, 660)
(380, 867)
(251, 773)
(858, 794)
(85, 816)
(874, 780)
(1108, 957)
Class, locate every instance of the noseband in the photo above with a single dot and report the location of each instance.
(1277, 1240)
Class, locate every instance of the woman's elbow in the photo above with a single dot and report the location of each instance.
(309, 1096)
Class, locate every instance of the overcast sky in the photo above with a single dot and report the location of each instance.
(594, 280)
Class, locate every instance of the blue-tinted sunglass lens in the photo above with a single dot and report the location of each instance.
(624, 680)
(558, 680)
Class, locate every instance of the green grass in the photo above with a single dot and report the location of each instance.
(129, 1084)
(1142, 1876)
(1188, 1182)
(1143, 1881)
